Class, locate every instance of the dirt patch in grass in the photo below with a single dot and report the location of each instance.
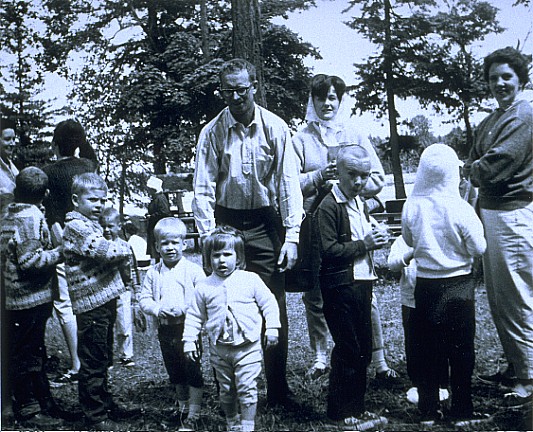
(146, 385)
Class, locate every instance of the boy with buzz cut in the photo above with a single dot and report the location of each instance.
(347, 238)
(166, 294)
(28, 262)
(92, 266)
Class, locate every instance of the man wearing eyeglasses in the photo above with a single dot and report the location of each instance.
(246, 176)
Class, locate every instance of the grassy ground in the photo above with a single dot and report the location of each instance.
(146, 385)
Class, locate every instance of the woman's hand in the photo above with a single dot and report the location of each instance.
(329, 172)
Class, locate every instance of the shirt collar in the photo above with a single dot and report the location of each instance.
(233, 123)
(340, 198)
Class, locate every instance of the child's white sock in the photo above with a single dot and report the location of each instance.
(378, 360)
(233, 421)
(183, 405)
(248, 425)
(194, 410)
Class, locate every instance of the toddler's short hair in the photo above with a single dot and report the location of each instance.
(172, 224)
(83, 183)
(30, 185)
(109, 213)
(223, 237)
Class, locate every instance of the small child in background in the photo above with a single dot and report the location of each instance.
(92, 268)
(232, 304)
(137, 243)
(348, 237)
(167, 293)
(401, 259)
(28, 262)
(111, 224)
(446, 235)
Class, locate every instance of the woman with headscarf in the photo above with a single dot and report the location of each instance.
(316, 146)
(500, 164)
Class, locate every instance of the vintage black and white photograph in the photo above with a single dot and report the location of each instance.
(266, 215)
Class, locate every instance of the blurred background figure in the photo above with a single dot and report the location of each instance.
(8, 170)
(158, 209)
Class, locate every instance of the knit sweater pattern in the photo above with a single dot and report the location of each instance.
(28, 260)
(92, 263)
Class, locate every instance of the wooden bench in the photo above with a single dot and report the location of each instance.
(393, 221)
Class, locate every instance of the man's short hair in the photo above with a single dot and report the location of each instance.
(170, 224)
(30, 185)
(223, 237)
(236, 65)
(83, 183)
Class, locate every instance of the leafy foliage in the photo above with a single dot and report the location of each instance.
(22, 74)
(145, 71)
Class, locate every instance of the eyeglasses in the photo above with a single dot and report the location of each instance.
(241, 91)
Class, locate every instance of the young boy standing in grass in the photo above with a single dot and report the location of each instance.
(232, 304)
(167, 292)
(28, 266)
(446, 235)
(111, 224)
(92, 266)
(346, 279)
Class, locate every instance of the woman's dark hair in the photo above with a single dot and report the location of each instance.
(70, 135)
(320, 85)
(514, 58)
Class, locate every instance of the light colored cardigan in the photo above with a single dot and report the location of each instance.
(249, 299)
(187, 276)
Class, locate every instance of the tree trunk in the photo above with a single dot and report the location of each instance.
(391, 107)
(205, 31)
(247, 41)
(122, 186)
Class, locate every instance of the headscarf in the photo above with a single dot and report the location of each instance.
(328, 128)
(438, 172)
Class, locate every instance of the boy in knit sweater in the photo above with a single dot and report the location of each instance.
(232, 304)
(446, 235)
(92, 266)
(166, 294)
(28, 266)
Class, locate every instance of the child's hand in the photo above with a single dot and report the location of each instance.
(375, 239)
(271, 341)
(193, 356)
(139, 320)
